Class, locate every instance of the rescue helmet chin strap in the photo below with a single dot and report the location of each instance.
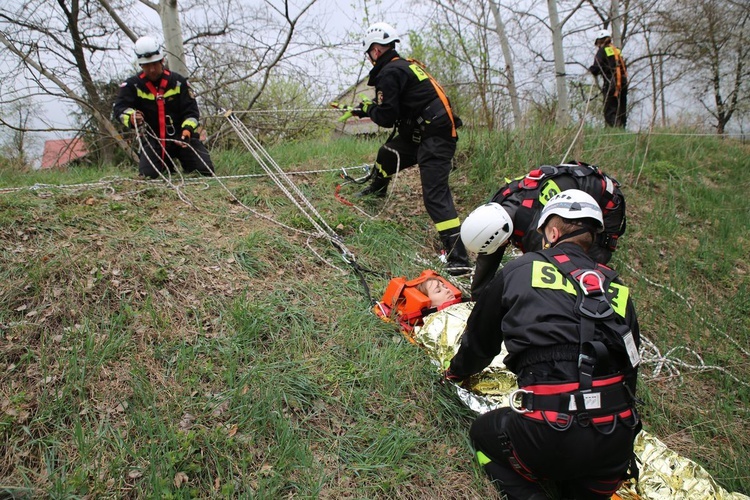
(583, 230)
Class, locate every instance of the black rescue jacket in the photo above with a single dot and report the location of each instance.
(531, 306)
(180, 107)
(408, 97)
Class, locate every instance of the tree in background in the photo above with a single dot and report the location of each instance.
(15, 144)
(712, 40)
(66, 49)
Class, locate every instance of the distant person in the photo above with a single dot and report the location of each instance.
(611, 66)
(513, 213)
(572, 337)
(163, 100)
(411, 100)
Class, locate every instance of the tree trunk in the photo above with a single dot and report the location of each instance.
(563, 108)
(170, 22)
(616, 27)
(509, 71)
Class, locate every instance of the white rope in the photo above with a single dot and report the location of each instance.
(583, 122)
(284, 183)
(666, 362)
(278, 111)
(189, 202)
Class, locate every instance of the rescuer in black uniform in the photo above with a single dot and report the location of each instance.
(573, 419)
(407, 97)
(513, 213)
(164, 101)
(609, 63)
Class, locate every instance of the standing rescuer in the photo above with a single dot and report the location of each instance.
(572, 338)
(164, 101)
(411, 100)
(611, 66)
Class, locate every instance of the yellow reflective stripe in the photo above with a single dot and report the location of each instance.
(421, 74)
(550, 189)
(619, 300)
(448, 224)
(145, 95)
(127, 116)
(483, 459)
(151, 97)
(190, 122)
(379, 168)
(171, 92)
(609, 50)
(546, 275)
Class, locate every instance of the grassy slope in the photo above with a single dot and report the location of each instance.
(145, 341)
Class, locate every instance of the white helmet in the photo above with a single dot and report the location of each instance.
(486, 229)
(382, 33)
(601, 34)
(572, 204)
(148, 50)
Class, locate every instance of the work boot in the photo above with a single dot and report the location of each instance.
(457, 260)
(378, 187)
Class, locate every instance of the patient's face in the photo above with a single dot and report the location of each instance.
(438, 293)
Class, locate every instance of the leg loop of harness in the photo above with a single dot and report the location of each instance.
(567, 421)
(507, 448)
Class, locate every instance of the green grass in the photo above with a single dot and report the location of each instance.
(152, 348)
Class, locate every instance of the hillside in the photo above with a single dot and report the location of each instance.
(201, 340)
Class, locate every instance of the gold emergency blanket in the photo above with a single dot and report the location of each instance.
(664, 475)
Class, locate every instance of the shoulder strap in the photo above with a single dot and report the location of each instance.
(440, 93)
(592, 306)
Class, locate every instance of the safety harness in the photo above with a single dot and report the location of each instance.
(432, 111)
(527, 187)
(621, 72)
(158, 94)
(600, 401)
(404, 303)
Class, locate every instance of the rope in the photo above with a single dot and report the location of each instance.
(277, 111)
(583, 122)
(671, 365)
(289, 188)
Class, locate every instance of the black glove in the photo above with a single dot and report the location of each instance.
(359, 111)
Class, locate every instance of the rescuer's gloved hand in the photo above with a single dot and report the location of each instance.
(361, 110)
(185, 138)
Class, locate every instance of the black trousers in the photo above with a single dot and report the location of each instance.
(616, 107)
(583, 462)
(193, 158)
(434, 156)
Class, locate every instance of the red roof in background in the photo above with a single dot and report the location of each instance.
(59, 152)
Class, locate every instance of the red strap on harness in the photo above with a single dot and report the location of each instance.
(159, 96)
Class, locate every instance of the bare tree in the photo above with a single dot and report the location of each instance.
(16, 144)
(510, 71)
(69, 51)
(561, 81)
(55, 48)
(711, 38)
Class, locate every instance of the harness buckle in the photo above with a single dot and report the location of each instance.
(585, 360)
(583, 418)
(516, 398)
